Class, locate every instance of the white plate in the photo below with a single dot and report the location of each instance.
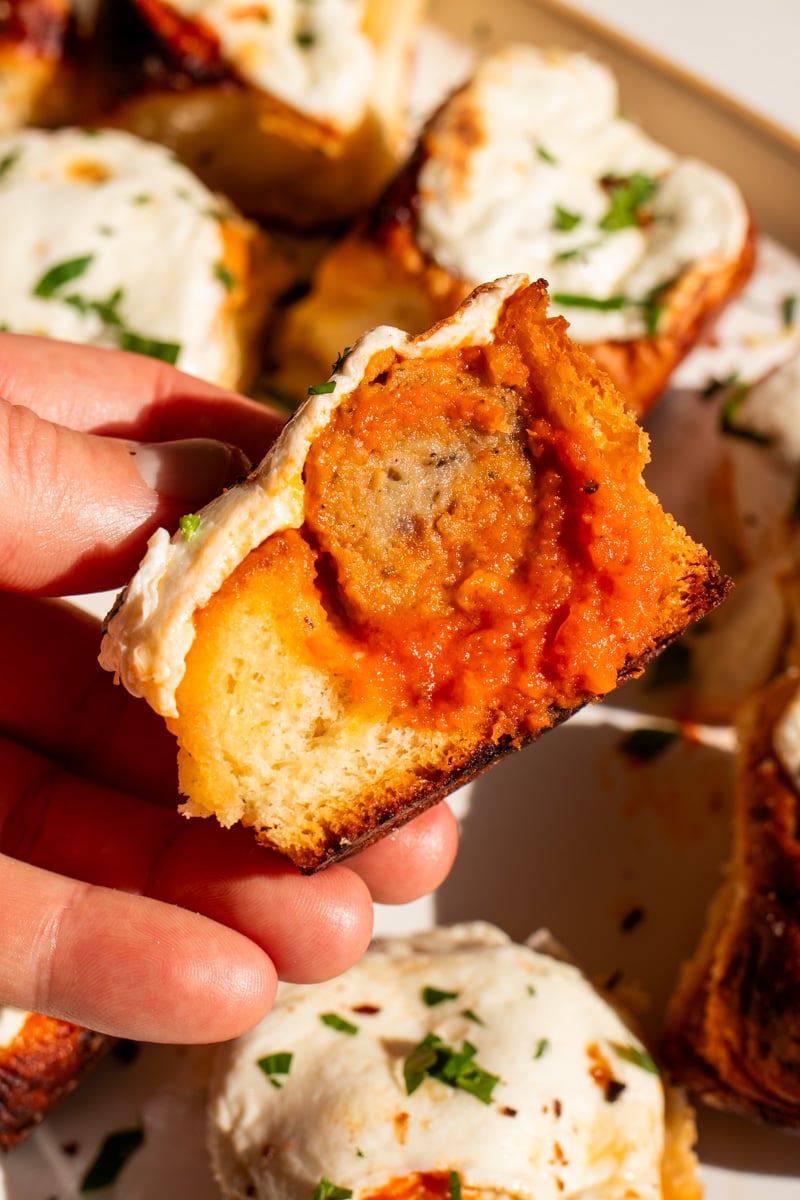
(566, 834)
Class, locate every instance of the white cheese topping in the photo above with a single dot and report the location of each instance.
(11, 1022)
(107, 239)
(786, 739)
(148, 638)
(515, 182)
(553, 1128)
(313, 54)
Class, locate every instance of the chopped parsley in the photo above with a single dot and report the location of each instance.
(340, 360)
(628, 198)
(305, 39)
(646, 744)
(564, 219)
(165, 351)
(142, 198)
(334, 1021)
(9, 160)
(111, 1158)
(433, 996)
(788, 308)
(62, 273)
(455, 1186)
(456, 1068)
(542, 1046)
(226, 277)
(189, 525)
(107, 310)
(715, 385)
(728, 423)
(639, 1058)
(545, 155)
(322, 389)
(605, 304)
(276, 1064)
(325, 1190)
(471, 1015)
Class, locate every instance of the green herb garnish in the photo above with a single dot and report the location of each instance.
(165, 351)
(322, 389)
(719, 385)
(605, 304)
(226, 277)
(325, 1190)
(189, 525)
(455, 1186)
(788, 309)
(646, 744)
(334, 1021)
(627, 198)
(541, 1047)
(62, 273)
(728, 423)
(564, 219)
(305, 39)
(433, 996)
(471, 1015)
(9, 160)
(111, 1158)
(545, 155)
(456, 1068)
(340, 360)
(274, 1065)
(639, 1058)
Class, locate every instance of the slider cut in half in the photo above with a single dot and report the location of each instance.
(732, 1033)
(294, 110)
(107, 240)
(530, 167)
(449, 549)
(451, 1063)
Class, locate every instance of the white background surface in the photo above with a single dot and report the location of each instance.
(746, 48)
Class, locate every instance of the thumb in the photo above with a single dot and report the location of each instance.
(76, 509)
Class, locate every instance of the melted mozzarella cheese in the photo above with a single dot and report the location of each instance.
(134, 234)
(315, 56)
(553, 1128)
(515, 182)
(149, 635)
(11, 1022)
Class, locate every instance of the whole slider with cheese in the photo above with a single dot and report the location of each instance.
(529, 166)
(450, 1063)
(107, 240)
(449, 550)
(295, 110)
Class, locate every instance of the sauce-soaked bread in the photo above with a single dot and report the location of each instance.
(450, 549)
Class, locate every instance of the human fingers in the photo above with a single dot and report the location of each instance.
(76, 509)
(126, 965)
(311, 928)
(412, 861)
(127, 395)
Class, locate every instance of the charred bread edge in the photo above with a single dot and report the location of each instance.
(701, 599)
(35, 1076)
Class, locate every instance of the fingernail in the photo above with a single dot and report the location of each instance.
(191, 470)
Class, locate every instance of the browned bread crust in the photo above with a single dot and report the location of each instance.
(39, 1067)
(414, 552)
(732, 1032)
(165, 79)
(38, 61)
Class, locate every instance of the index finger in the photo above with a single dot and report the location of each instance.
(121, 394)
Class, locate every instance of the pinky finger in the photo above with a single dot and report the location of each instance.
(124, 964)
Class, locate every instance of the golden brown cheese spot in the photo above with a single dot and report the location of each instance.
(88, 170)
(478, 549)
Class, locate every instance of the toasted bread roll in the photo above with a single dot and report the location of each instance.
(529, 167)
(453, 1052)
(294, 110)
(732, 1033)
(107, 240)
(449, 549)
(42, 1060)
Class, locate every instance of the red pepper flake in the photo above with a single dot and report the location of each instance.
(366, 1010)
(557, 1108)
(505, 1111)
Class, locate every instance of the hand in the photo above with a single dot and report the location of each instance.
(115, 911)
